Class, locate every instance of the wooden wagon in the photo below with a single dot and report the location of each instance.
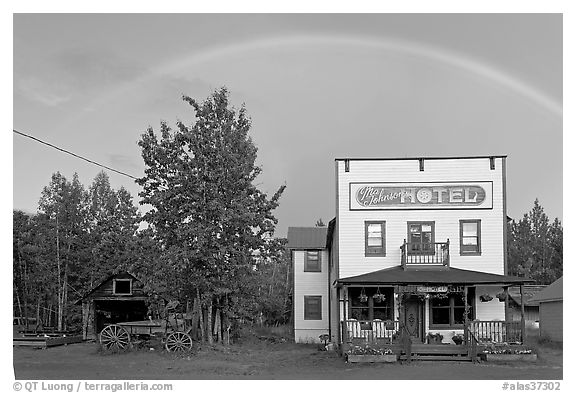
(172, 330)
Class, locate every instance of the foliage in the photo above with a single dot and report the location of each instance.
(535, 246)
(211, 221)
(76, 238)
(368, 349)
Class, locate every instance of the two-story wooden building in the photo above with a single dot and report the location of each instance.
(417, 249)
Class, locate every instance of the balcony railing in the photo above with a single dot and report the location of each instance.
(430, 254)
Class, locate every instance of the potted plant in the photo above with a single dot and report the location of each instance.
(434, 338)
(458, 339)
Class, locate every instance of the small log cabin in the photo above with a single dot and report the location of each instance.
(118, 298)
(417, 249)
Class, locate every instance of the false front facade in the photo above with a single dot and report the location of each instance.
(418, 250)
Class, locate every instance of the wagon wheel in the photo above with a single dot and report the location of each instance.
(178, 342)
(114, 338)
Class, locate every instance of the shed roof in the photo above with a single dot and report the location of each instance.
(551, 293)
(529, 292)
(446, 275)
(307, 237)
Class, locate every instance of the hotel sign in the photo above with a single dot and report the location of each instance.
(442, 195)
(437, 289)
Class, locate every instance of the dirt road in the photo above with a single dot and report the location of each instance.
(265, 361)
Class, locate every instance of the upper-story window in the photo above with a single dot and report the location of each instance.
(375, 238)
(313, 261)
(470, 237)
(122, 286)
(420, 237)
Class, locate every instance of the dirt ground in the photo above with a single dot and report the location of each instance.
(261, 360)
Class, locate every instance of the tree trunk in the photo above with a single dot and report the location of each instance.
(209, 323)
(60, 309)
(201, 316)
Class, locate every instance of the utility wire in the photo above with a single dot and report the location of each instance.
(75, 155)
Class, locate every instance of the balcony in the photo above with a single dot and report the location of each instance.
(425, 254)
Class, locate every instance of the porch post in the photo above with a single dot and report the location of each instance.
(506, 301)
(466, 305)
(522, 321)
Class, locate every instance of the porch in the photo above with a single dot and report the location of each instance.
(427, 313)
(393, 336)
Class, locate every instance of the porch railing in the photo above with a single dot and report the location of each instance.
(432, 254)
(488, 332)
(375, 330)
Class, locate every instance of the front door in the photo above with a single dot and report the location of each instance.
(413, 318)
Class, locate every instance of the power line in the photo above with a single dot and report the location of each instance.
(75, 155)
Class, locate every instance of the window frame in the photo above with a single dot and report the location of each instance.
(451, 308)
(432, 250)
(311, 268)
(370, 304)
(114, 292)
(478, 250)
(372, 251)
(308, 315)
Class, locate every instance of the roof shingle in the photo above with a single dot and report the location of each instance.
(307, 237)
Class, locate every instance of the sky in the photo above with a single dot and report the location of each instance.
(317, 87)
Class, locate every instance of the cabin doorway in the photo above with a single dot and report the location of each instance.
(414, 318)
(108, 312)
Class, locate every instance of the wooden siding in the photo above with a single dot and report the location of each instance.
(309, 284)
(551, 320)
(493, 310)
(447, 222)
(334, 291)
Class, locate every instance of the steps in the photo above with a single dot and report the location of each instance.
(438, 352)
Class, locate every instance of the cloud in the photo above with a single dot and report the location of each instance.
(121, 161)
(71, 75)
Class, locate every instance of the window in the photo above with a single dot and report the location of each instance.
(375, 238)
(313, 307)
(372, 308)
(447, 310)
(421, 237)
(312, 261)
(122, 286)
(469, 237)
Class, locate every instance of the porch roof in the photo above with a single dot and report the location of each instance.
(446, 275)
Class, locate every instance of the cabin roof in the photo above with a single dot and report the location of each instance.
(435, 275)
(551, 293)
(305, 238)
(102, 282)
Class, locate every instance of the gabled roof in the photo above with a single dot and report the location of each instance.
(446, 275)
(551, 293)
(102, 282)
(305, 238)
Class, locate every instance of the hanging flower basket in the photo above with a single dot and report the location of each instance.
(485, 298)
(501, 296)
(363, 298)
(379, 297)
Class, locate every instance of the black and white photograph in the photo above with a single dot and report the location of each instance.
(287, 196)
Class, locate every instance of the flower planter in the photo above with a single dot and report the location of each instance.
(509, 357)
(392, 358)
